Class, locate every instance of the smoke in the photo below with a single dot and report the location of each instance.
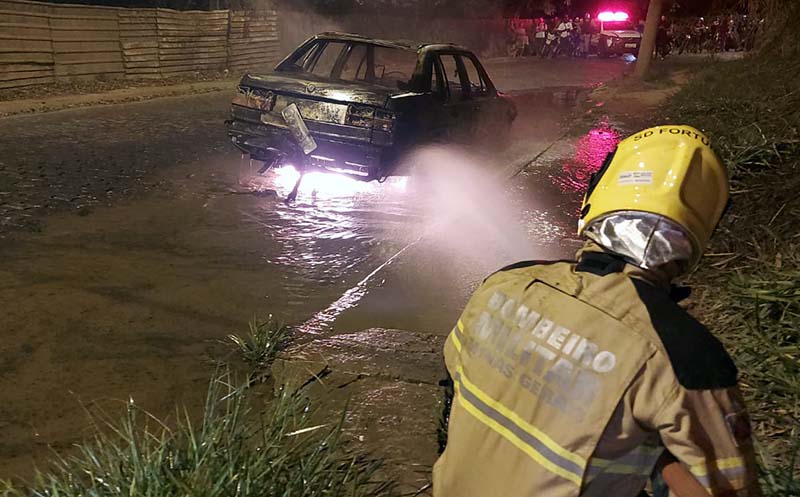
(422, 23)
(297, 26)
(469, 210)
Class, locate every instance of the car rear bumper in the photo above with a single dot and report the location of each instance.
(334, 153)
(624, 47)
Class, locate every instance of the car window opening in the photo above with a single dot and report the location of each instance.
(357, 62)
(476, 83)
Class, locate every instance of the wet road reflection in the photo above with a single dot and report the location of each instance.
(476, 224)
(335, 233)
(407, 253)
(590, 152)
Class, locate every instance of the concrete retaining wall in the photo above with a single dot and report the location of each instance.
(45, 43)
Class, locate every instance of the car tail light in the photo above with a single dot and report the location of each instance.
(359, 116)
(254, 98)
(369, 117)
(384, 120)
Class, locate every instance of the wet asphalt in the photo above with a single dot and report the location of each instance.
(133, 240)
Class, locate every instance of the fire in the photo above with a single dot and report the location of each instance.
(328, 185)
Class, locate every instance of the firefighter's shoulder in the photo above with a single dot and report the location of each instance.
(527, 265)
(698, 358)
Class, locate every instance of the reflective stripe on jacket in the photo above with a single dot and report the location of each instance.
(567, 384)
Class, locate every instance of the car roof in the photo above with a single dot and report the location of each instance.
(400, 44)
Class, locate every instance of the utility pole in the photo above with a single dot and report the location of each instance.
(649, 38)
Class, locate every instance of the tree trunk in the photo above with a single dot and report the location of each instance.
(649, 38)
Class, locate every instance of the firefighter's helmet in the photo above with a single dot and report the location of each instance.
(663, 178)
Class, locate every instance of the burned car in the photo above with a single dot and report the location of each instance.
(353, 105)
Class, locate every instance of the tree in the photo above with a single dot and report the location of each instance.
(649, 38)
(779, 34)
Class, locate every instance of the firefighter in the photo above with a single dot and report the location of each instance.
(575, 378)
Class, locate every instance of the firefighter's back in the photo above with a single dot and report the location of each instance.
(558, 369)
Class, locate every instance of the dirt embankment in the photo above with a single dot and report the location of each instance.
(52, 98)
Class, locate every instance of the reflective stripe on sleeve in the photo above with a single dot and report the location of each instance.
(458, 335)
(521, 434)
(640, 461)
(730, 469)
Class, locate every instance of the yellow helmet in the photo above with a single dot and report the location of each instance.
(668, 171)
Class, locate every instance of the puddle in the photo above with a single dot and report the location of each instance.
(590, 152)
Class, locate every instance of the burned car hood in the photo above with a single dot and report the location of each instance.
(322, 89)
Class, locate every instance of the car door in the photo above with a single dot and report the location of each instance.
(479, 92)
(457, 108)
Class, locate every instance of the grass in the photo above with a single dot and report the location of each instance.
(234, 450)
(748, 286)
(263, 341)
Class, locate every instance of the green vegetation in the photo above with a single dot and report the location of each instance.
(748, 288)
(780, 36)
(263, 341)
(240, 447)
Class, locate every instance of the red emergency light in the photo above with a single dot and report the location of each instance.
(609, 16)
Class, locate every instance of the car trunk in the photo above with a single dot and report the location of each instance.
(318, 100)
(348, 121)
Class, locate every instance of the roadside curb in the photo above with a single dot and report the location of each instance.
(124, 95)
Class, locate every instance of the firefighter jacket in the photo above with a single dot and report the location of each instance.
(571, 379)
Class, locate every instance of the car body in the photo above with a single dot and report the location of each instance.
(618, 38)
(364, 103)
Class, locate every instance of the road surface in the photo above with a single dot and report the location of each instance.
(132, 242)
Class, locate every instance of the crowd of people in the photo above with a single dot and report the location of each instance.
(574, 37)
(556, 36)
(698, 35)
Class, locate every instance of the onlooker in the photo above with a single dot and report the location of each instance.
(589, 29)
(564, 28)
(662, 38)
(539, 37)
(564, 32)
(522, 41)
(550, 37)
(576, 37)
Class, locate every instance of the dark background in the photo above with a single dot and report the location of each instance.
(458, 8)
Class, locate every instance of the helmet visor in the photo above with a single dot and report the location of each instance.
(644, 239)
